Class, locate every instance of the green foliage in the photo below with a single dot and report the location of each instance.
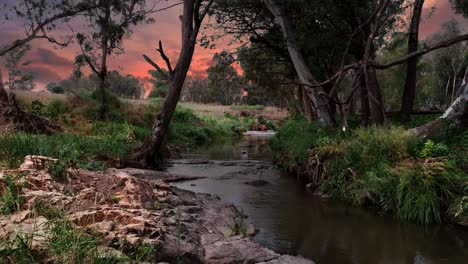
(19, 250)
(58, 169)
(293, 140)
(425, 192)
(10, 199)
(239, 228)
(431, 150)
(68, 244)
(56, 109)
(159, 84)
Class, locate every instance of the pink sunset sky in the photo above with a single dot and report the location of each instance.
(50, 64)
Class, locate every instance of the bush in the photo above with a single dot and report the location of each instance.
(56, 89)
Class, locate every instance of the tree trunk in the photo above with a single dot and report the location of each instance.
(102, 74)
(320, 103)
(307, 107)
(3, 93)
(102, 94)
(377, 110)
(456, 115)
(409, 92)
(365, 108)
(148, 155)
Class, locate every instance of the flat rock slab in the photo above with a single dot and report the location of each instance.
(286, 259)
(156, 175)
(237, 251)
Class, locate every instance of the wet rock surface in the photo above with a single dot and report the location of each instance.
(137, 207)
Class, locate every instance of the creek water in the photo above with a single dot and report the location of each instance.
(290, 219)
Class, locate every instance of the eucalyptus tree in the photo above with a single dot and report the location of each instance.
(194, 12)
(108, 23)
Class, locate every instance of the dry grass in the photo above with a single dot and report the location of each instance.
(28, 96)
(208, 110)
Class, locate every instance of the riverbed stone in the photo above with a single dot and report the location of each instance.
(237, 251)
(286, 259)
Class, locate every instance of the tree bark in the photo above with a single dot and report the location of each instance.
(3, 93)
(409, 92)
(320, 103)
(307, 107)
(456, 115)
(377, 109)
(148, 155)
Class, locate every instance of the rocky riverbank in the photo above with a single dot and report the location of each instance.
(127, 209)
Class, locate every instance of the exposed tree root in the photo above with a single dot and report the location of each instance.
(14, 118)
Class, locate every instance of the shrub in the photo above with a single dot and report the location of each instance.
(56, 109)
(425, 191)
(432, 149)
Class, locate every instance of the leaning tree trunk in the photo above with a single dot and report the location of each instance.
(409, 92)
(320, 103)
(148, 155)
(456, 115)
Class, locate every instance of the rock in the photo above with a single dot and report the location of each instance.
(286, 259)
(31, 227)
(36, 162)
(138, 207)
(237, 251)
(20, 216)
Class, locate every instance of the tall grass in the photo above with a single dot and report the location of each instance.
(84, 150)
(386, 168)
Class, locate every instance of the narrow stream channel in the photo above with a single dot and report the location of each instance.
(292, 220)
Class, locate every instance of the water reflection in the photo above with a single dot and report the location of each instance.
(292, 220)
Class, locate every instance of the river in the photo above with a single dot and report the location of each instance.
(290, 219)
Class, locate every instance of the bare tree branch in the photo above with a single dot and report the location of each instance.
(156, 66)
(165, 58)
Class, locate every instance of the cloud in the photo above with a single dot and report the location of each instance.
(49, 57)
(43, 75)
